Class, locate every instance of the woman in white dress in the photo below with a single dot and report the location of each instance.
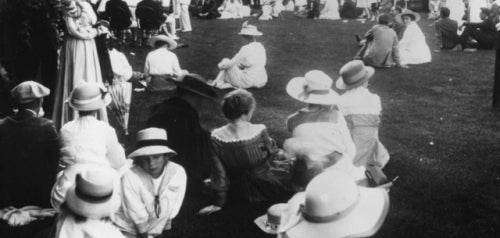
(330, 11)
(413, 48)
(247, 68)
(231, 9)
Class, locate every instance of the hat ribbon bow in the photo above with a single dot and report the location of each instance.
(307, 91)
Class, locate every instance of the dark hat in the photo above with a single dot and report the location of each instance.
(196, 84)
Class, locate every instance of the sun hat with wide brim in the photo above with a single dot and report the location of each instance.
(93, 195)
(354, 74)
(172, 44)
(249, 30)
(196, 84)
(415, 16)
(151, 141)
(28, 91)
(334, 206)
(314, 88)
(270, 221)
(89, 97)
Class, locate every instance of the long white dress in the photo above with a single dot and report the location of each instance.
(457, 10)
(246, 69)
(413, 48)
(330, 11)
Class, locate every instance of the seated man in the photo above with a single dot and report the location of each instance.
(483, 33)
(381, 46)
(446, 31)
(30, 151)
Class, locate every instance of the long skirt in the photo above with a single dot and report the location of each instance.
(78, 63)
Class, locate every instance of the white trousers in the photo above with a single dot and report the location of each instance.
(184, 20)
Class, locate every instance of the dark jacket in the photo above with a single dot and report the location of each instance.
(119, 14)
(150, 14)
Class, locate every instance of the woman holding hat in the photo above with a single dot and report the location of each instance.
(320, 122)
(86, 140)
(334, 206)
(247, 68)
(161, 64)
(362, 109)
(413, 48)
(153, 189)
(79, 61)
(246, 163)
(89, 204)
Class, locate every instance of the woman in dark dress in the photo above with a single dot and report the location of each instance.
(246, 162)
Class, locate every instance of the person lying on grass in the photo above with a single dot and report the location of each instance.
(153, 189)
(246, 163)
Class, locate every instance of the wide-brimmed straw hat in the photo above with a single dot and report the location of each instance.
(89, 97)
(92, 195)
(334, 206)
(354, 74)
(249, 30)
(172, 44)
(196, 84)
(28, 91)
(270, 221)
(151, 141)
(315, 88)
(415, 16)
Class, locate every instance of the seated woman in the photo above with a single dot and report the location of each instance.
(362, 110)
(246, 161)
(320, 122)
(247, 68)
(153, 189)
(161, 64)
(330, 11)
(413, 48)
(231, 9)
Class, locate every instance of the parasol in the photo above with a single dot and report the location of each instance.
(121, 93)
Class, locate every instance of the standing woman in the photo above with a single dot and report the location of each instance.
(247, 68)
(79, 61)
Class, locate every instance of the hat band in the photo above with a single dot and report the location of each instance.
(87, 101)
(330, 218)
(90, 198)
(144, 143)
(357, 77)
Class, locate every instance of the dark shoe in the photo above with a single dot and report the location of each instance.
(358, 38)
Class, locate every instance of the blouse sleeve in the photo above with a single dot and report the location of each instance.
(179, 182)
(236, 60)
(346, 134)
(132, 202)
(115, 153)
(220, 181)
(176, 68)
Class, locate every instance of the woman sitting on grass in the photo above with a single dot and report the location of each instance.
(246, 161)
(247, 68)
(413, 48)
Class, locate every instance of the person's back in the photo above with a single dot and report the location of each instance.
(150, 14)
(119, 14)
(446, 30)
(383, 49)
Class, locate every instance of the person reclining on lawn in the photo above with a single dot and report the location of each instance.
(484, 33)
(381, 45)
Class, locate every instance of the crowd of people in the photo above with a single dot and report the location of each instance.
(70, 176)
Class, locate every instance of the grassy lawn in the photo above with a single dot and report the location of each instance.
(438, 124)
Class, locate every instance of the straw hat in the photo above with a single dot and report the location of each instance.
(353, 74)
(92, 195)
(314, 88)
(171, 43)
(270, 221)
(334, 206)
(415, 16)
(28, 91)
(249, 30)
(89, 97)
(151, 141)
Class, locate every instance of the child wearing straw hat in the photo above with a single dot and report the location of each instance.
(362, 109)
(89, 204)
(247, 68)
(153, 189)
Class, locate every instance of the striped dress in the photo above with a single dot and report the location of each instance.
(250, 168)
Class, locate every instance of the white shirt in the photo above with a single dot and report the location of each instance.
(138, 214)
(122, 70)
(88, 140)
(90, 228)
(359, 101)
(161, 62)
